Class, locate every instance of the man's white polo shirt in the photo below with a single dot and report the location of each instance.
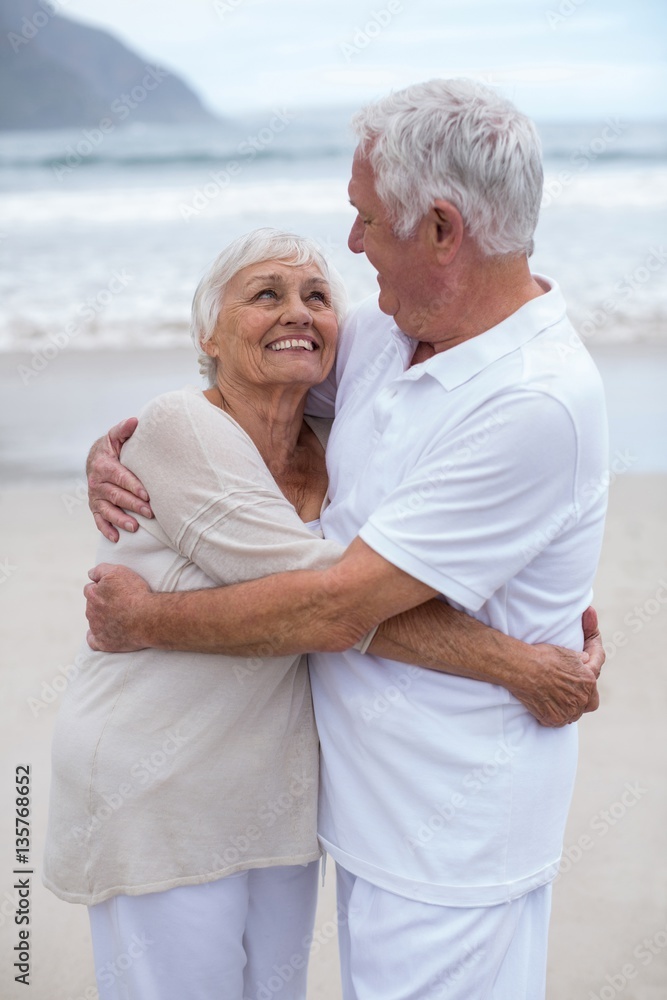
(481, 472)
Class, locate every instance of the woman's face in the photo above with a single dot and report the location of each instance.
(276, 326)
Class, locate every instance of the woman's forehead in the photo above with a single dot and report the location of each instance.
(281, 270)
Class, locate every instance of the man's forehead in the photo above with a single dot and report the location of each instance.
(360, 163)
(362, 180)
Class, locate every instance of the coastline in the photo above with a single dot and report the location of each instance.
(49, 421)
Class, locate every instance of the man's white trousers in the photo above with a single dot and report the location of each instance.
(393, 948)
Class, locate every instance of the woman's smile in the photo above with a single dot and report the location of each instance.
(293, 344)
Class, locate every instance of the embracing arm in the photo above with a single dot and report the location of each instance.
(556, 685)
(113, 489)
(319, 609)
(330, 610)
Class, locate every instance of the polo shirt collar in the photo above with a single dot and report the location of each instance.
(459, 364)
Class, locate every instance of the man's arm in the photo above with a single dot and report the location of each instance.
(330, 610)
(112, 489)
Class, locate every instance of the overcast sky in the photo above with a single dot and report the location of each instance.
(557, 59)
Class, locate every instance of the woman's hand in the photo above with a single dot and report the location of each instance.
(594, 654)
(563, 688)
(112, 489)
(566, 686)
(556, 685)
(116, 606)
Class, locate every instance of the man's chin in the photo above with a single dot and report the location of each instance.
(388, 305)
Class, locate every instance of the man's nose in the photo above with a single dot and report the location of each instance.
(355, 240)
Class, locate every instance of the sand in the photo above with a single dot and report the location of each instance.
(609, 927)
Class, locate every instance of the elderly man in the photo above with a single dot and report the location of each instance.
(467, 460)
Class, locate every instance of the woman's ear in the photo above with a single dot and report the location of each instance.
(210, 347)
(446, 230)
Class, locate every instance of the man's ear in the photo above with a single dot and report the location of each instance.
(446, 230)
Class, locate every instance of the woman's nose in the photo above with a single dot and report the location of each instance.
(355, 240)
(297, 312)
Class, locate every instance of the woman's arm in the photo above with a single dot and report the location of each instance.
(555, 684)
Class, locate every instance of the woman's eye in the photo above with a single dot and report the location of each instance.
(322, 296)
(270, 292)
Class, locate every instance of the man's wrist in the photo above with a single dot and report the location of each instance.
(143, 620)
(167, 621)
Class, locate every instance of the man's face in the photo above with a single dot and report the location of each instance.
(401, 264)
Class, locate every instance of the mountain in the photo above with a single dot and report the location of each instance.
(57, 73)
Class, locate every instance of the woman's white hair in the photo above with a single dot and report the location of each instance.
(460, 141)
(254, 248)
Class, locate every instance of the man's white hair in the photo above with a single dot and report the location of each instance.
(254, 248)
(460, 141)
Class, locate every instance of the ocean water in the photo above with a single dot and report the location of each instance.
(103, 236)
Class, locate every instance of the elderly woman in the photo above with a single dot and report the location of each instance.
(184, 784)
(184, 790)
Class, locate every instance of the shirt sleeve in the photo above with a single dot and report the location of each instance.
(484, 500)
(213, 496)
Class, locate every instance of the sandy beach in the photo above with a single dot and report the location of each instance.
(609, 927)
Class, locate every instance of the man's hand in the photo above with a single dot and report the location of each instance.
(566, 687)
(112, 489)
(116, 605)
